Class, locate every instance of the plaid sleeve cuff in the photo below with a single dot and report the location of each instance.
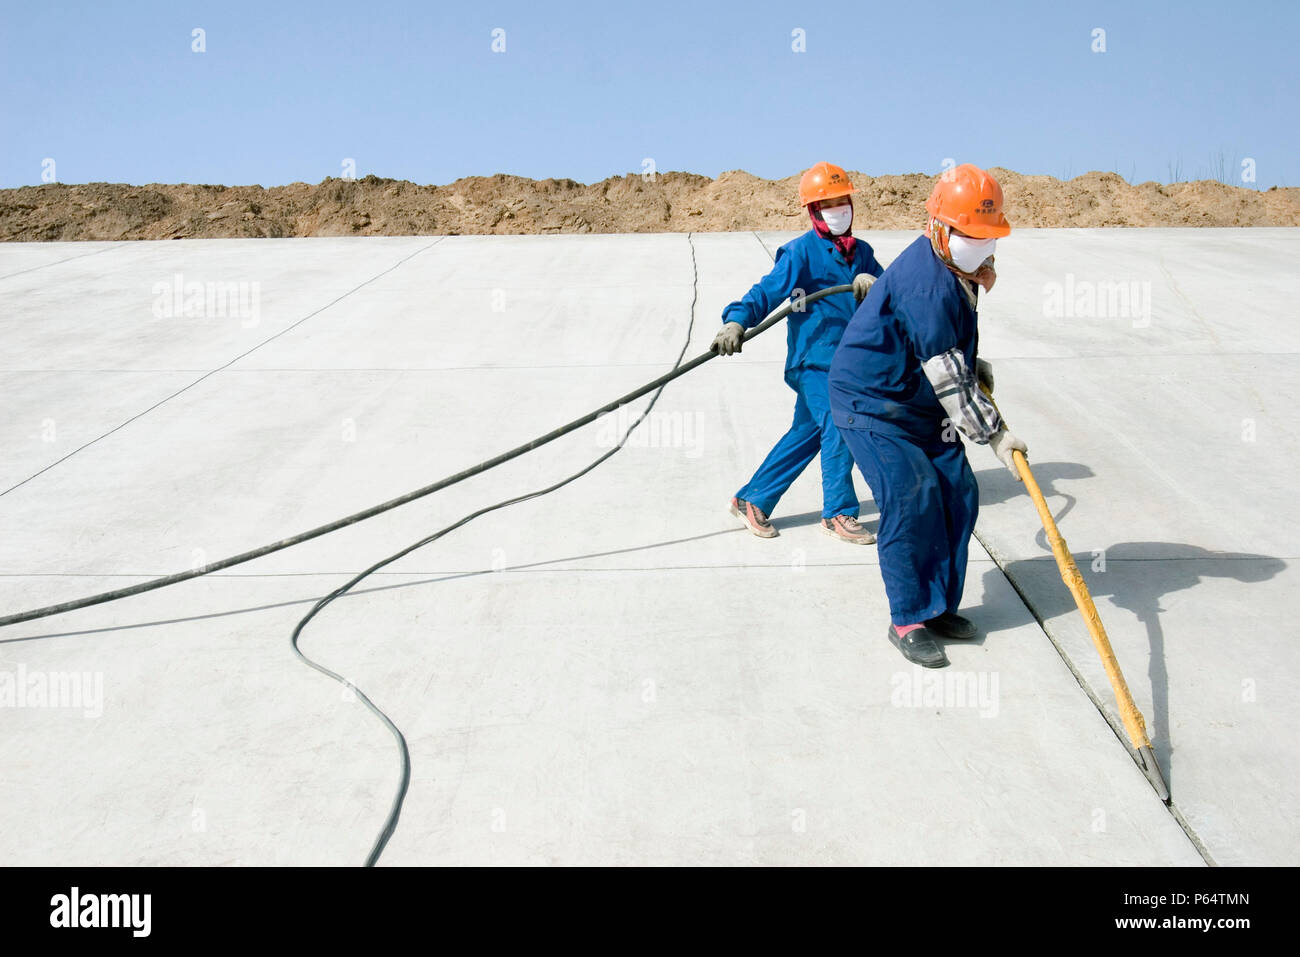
(959, 394)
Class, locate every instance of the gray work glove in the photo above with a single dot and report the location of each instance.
(861, 283)
(984, 375)
(1003, 443)
(729, 338)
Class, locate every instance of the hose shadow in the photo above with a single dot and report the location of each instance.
(1135, 576)
(369, 591)
(867, 512)
(996, 486)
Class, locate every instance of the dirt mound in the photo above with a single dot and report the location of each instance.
(670, 202)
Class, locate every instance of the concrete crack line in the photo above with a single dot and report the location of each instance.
(57, 262)
(220, 368)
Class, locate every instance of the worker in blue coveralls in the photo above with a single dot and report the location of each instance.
(905, 379)
(827, 255)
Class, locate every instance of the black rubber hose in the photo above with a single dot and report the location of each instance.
(404, 753)
(371, 512)
(399, 797)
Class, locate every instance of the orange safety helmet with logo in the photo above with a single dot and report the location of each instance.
(971, 200)
(823, 181)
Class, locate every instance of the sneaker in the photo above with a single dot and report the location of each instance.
(847, 529)
(919, 647)
(753, 518)
(952, 625)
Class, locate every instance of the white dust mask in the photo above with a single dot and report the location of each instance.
(967, 254)
(838, 219)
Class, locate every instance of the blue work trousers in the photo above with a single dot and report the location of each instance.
(811, 433)
(928, 502)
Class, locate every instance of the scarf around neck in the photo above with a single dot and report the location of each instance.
(844, 244)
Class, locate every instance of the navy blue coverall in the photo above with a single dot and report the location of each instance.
(900, 436)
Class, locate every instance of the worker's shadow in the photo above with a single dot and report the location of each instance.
(1135, 576)
(997, 485)
(868, 514)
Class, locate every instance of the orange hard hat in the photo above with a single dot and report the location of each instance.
(823, 181)
(970, 199)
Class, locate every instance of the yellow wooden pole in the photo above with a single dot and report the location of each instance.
(1129, 714)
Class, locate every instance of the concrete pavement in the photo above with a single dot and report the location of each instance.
(616, 673)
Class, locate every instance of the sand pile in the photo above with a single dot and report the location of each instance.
(671, 202)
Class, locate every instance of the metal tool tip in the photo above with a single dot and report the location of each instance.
(1146, 759)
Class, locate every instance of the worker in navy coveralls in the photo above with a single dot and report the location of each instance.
(904, 381)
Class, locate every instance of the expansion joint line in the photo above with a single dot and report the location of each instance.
(1115, 727)
(221, 368)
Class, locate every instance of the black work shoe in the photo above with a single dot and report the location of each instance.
(952, 625)
(919, 647)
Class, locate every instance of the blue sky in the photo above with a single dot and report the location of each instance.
(287, 91)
